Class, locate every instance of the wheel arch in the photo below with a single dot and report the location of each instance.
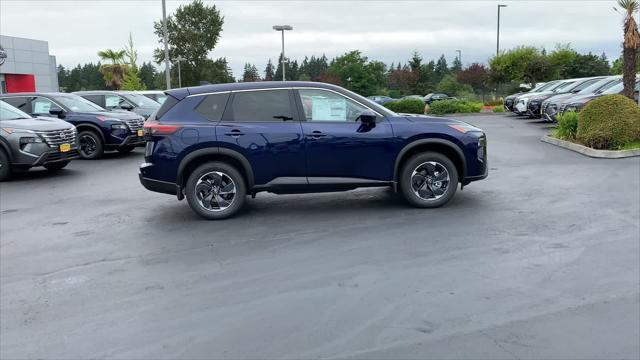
(201, 156)
(4, 146)
(443, 146)
(88, 126)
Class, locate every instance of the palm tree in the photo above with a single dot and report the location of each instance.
(116, 56)
(113, 73)
(630, 45)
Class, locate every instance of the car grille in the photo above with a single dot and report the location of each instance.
(135, 124)
(57, 137)
(508, 102)
(56, 156)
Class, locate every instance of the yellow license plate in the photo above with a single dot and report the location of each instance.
(140, 133)
(65, 147)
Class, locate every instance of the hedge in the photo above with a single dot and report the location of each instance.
(609, 122)
(454, 107)
(406, 106)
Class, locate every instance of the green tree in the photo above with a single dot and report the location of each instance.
(561, 59)
(358, 74)
(629, 45)
(268, 71)
(147, 75)
(131, 79)
(456, 66)
(513, 65)
(250, 73)
(192, 32)
(441, 69)
(450, 86)
(587, 65)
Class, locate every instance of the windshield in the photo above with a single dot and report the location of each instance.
(562, 86)
(141, 101)
(598, 85)
(618, 88)
(8, 112)
(545, 87)
(77, 103)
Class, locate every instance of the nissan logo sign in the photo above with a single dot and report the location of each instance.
(3, 55)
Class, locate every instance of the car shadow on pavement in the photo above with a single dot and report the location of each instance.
(41, 174)
(353, 204)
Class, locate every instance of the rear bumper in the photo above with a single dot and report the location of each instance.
(158, 186)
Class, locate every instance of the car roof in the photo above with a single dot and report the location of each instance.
(19, 94)
(212, 88)
(98, 92)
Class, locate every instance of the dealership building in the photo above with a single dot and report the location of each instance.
(26, 65)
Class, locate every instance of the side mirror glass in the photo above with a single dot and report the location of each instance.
(126, 107)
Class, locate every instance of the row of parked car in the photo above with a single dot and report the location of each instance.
(548, 100)
(427, 99)
(51, 129)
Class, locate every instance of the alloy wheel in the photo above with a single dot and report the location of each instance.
(88, 145)
(215, 191)
(430, 180)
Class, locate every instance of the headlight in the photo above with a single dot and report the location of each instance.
(20, 131)
(30, 140)
(120, 126)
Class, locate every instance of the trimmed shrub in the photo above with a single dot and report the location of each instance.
(406, 106)
(609, 122)
(567, 125)
(454, 107)
(496, 102)
(498, 109)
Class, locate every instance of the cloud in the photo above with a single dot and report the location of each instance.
(383, 30)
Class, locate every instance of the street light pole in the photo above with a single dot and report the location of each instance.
(460, 56)
(282, 28)
(178, 59)
(167, 68)
(498, 39)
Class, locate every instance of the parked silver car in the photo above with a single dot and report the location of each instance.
(26, 141)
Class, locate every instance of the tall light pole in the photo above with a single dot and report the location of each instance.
(167, 67)
(498, 40)
(178, 59)
(282, 28)
(459, 56)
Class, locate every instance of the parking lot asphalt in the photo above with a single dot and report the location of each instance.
(540, 260)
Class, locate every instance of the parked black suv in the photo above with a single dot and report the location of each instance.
(99, 130)
(122, 100)
(26, 142)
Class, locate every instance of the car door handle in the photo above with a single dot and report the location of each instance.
(235, 133)
(316, 135)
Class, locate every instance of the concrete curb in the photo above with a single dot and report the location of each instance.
(587, 151)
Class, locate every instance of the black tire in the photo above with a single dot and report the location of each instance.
(431, 165)
(56, 165)
(125, 149)
(5, 166)
(91, 145)
(230, 176)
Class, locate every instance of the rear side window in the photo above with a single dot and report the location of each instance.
(18, 102)
(265, 105)
(212, 107)
(168, 104)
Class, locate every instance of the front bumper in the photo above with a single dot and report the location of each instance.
(28, 160)
(534, 109)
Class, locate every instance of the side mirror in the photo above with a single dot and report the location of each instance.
(367, 118)
(128, 107)
(56, 111)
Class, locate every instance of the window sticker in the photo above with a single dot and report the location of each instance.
(41, 107)
(325, 109)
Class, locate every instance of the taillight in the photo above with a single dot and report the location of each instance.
(155, 128)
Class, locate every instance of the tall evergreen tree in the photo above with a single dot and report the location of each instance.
(441, 69)
(269, 71)
(250, 73)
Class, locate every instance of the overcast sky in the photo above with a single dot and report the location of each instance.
(383, 30)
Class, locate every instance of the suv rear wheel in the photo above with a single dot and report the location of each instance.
(215, 190)
(91, 146)
(428, 180)
(5, 166)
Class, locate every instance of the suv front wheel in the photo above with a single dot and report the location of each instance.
(428, 180)
(5, 166)
(91, 146)
(215, 190)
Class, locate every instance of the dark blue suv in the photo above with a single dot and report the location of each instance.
(99, 130)
(215, 144)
